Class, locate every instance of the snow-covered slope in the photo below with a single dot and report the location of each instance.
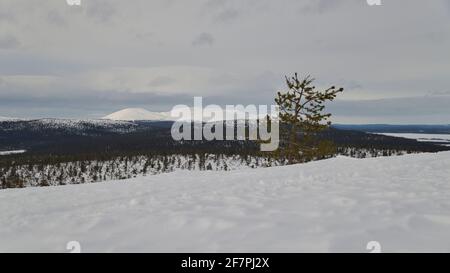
(131, 114)
(334, 205)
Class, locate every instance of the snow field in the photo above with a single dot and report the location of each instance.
(333, 205)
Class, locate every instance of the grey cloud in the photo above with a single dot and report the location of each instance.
(397, 50)
(397, 110)
(349, 84)
(144, 35)
(223, 11)
(440, 93)
(215, 3)
(227, 15)
(9, 42)
(447, 4)
(321, 6)
(204, 39)
(83, 103)
(161, 81)
(100, 10)
(25, 64)
(7, 17)
(55, 18)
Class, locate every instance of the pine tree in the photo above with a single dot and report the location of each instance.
(301, 113)
(3, 183)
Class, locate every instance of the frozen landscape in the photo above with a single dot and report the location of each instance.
(441, 139)
(333, 205)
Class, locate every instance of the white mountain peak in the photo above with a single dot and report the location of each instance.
(196, 114)
(130, 114)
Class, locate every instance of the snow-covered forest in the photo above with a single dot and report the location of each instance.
(50, 152)
(125, 167)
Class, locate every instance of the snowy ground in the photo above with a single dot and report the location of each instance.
(329, 206)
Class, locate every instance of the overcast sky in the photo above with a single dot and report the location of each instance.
(85, 62)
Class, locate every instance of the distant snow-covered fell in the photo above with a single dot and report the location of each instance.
(131, 114)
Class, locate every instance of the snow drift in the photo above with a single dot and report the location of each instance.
(328, 206)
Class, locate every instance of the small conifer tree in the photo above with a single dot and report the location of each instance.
(302, 115)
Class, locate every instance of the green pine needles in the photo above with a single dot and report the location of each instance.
(302, 114)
